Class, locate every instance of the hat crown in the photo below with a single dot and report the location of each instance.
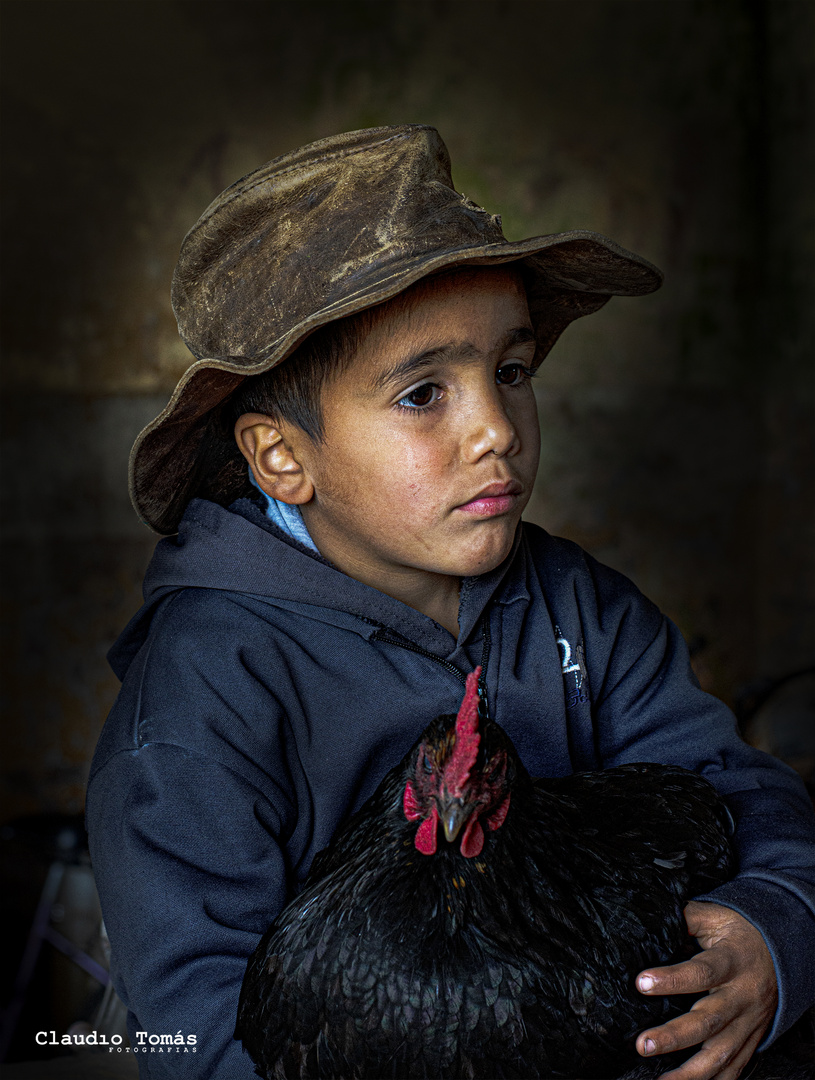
(315, 230)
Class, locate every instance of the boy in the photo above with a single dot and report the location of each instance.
(349, 546)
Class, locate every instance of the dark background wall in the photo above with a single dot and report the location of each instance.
(677, 429)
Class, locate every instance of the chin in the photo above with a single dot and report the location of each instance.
(487, 557)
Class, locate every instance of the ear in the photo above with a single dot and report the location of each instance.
(272, 451)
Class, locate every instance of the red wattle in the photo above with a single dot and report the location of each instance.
(425, 841)
(410, 803)
(473, 840)
(497, 817)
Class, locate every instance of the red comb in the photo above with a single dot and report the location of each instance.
(467, 738)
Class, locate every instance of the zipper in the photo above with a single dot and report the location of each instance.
(390, 637)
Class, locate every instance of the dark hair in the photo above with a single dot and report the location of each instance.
(292, 390)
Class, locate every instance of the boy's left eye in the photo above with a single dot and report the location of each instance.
(512, 374)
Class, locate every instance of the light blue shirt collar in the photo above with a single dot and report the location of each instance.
(286, 517)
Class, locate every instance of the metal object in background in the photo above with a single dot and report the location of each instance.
(62, 840)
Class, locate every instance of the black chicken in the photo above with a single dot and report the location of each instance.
(470, 921)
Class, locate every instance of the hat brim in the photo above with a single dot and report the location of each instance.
(568, 275)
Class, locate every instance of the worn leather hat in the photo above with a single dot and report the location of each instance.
(318, 234)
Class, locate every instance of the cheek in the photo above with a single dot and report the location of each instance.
(408, 470)
(345, 475)
(419, 473)
(382, 482)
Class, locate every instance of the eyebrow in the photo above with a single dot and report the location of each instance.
(414, 365)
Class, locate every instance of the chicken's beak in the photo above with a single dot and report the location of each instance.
(453, 817)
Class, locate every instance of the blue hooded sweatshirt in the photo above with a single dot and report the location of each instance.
(265, 695)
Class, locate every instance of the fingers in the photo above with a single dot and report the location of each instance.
(703, 972)
(726, 1033)
(722, 1057)
(707, 1018)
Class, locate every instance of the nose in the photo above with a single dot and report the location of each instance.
(492, 429)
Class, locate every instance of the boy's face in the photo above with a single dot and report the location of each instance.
(431, 437)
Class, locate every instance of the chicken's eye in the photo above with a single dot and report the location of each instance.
(427, 763)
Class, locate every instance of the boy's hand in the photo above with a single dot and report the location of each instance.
(736, 969)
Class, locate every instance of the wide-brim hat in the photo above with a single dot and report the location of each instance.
(326, 231)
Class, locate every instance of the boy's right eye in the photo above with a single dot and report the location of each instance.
(421, 396)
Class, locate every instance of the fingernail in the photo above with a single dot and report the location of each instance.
(646, 982)
(650, 1047)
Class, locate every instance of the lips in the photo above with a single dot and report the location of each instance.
(497, 498)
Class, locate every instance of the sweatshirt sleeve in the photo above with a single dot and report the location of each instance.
(189, 876)
(190, 806)
(648, 706)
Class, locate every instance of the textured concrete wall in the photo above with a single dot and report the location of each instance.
(677, 429)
